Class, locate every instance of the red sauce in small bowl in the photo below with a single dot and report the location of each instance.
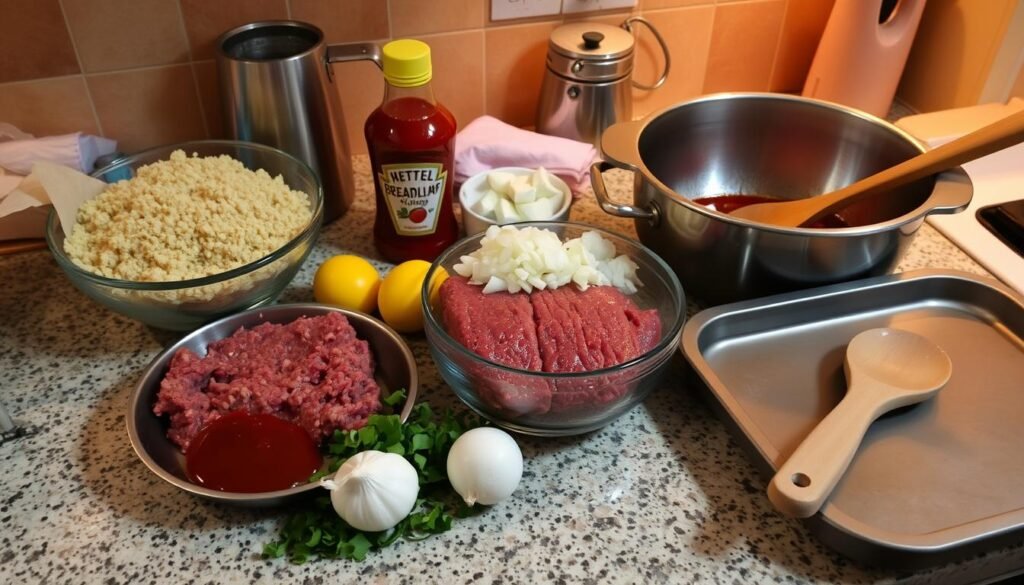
(730, 203)
(251, 453)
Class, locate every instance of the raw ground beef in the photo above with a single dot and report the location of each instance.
(313, 372)
(559, 331)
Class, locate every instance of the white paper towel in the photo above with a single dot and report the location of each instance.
(24, 204)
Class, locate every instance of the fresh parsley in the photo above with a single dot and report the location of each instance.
(424, 440)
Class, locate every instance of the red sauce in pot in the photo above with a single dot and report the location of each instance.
(729, 203)
(250, 453)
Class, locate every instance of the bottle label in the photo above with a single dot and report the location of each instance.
(413, 192)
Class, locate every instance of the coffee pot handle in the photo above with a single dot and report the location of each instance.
(353, 52)
(664, 49)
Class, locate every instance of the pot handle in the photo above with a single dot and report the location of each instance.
(609, 206)
(664, 51)
(352, 52)
(952, 193)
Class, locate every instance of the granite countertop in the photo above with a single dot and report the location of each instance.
(662, 495)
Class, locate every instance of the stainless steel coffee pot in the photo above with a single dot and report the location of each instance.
(589, 79)
(278, 89)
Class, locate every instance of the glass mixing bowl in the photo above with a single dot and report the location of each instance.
(186, 304)
(609, 392)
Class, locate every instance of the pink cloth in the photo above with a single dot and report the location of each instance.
(488, 143)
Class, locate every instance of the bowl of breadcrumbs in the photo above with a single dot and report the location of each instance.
(188, 233)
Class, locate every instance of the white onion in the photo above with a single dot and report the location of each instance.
(523, 259)
(485, 466)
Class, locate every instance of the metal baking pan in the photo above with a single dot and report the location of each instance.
(931, 483)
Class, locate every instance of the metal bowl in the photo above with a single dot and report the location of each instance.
(147, 432)
(777, 145)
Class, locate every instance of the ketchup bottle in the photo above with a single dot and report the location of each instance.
(411, 139)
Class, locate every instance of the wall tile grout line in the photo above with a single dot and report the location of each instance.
(707, 59)
(192, 68)
(142, 68)
(387, 10)
(39, 79)
(778, 44)
(81, 70)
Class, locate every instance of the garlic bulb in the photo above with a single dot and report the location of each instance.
(485, 466)
(374, 491)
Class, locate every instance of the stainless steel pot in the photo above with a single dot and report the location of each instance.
(767, 144)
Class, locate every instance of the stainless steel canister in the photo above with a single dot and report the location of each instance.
(589, 79)
(278, 89)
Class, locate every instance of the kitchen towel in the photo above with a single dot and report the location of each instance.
(488, 143)
(76, 150)
(23, 206)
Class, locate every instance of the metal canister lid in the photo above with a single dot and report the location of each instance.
(591, 51)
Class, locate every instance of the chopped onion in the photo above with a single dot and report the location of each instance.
(523, 259)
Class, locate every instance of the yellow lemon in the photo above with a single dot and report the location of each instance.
(346, 281)
(399, 295)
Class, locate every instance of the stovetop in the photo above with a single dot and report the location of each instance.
(998, 179)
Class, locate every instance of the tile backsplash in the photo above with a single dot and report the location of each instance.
(142, 71)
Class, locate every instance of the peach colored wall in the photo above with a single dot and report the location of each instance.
(1018, 86)
(141, 71)
(953, 53)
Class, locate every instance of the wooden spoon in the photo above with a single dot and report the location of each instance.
(885, 369)
(799, 212)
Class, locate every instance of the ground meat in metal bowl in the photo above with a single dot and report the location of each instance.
(313, 372)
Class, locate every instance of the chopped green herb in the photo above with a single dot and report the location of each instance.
(424, 440)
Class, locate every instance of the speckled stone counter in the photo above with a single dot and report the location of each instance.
(663, 495)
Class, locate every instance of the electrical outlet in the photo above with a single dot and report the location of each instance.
(508, 9)
(571, 6)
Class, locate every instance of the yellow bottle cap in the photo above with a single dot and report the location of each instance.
(406, 63)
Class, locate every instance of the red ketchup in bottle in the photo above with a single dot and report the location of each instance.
(411, 141)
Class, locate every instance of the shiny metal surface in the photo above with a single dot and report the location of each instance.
(613, 43)
(588, 88)
(581, 111)
(930, 484)
(277, 89)
(768, 144)
(570, 56)
(396, 368)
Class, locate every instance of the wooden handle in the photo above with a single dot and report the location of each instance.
(992, 138)
(803, 483)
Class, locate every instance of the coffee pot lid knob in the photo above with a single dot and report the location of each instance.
(592, 39)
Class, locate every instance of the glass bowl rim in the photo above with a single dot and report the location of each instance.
(168, 285)
(668, 337)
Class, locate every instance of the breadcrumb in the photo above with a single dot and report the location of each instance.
(186, 217)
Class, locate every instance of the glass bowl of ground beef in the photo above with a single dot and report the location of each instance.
(559, 361)
(188, 233)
